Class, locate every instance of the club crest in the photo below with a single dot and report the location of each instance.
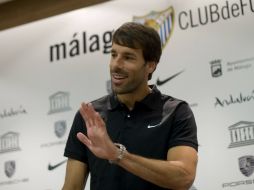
(161, 21)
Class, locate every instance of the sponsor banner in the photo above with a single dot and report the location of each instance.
(48, 67)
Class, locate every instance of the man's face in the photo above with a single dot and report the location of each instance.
(128, 70)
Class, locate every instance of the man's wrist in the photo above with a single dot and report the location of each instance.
(120, 153)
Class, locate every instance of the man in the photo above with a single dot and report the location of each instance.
(135, 138)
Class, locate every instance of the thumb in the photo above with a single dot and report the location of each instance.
(84, 139)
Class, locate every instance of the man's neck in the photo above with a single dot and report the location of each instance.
(130, 99)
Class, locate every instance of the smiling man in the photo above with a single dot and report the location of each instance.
(135, 138)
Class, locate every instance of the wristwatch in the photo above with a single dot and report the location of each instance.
(121, 151)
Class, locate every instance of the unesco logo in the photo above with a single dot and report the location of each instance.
(9, 142)
(241, 134)
(59, 102)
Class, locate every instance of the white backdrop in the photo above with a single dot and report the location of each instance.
(211, 43)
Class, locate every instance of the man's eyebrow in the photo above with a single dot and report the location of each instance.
(125, 53)
(129, 53)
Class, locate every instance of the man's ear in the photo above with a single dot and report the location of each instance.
(151, 66)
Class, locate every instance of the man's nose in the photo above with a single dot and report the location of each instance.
(118, 62)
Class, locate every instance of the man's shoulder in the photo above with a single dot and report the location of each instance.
(167, 99)
(173, 106)
(102, 102)
(171, 103)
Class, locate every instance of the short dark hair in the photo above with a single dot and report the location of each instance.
(138, 36)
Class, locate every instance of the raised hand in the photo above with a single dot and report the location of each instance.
(97, 139)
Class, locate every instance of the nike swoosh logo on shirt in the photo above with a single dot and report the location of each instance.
(52, 167)
(152, 126)
(161, 82)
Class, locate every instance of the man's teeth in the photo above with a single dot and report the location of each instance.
(119, 76)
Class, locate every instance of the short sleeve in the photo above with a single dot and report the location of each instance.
(184, 129)
(74, 148)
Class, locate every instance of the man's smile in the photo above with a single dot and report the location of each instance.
(118, 78)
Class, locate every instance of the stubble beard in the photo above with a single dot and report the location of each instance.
(128, 88)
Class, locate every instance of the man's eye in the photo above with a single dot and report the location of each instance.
(113, 55)
(128, 58)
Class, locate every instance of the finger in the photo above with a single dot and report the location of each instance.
(91, 108)
(97, 117)
(85, 112)
(83, 138)
(91, 113)
(84, 115)
(99, 121)
(82, 110)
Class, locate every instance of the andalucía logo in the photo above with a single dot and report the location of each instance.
(234, 99)
(13, 112)
(162, 21)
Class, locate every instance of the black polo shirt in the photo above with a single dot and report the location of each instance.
(156, 124)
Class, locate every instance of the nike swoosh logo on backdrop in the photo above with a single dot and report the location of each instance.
(52, 167)
(161, 82)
